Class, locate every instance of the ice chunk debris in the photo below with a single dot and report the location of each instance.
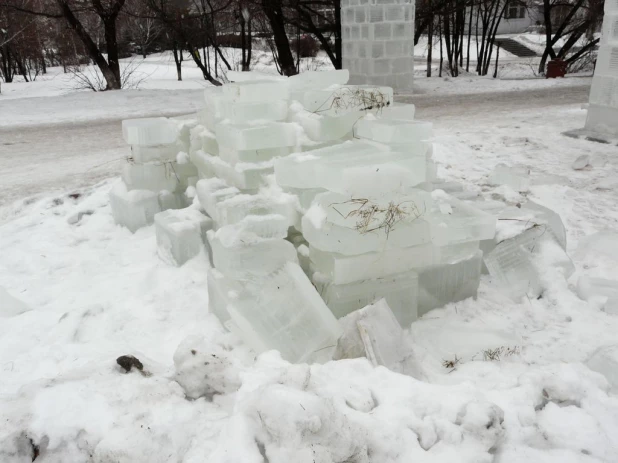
(581, 162)
(516, 177)
(181, 234)
(605, 361)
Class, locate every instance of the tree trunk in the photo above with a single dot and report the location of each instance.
(111, 43)
(274, 14)
(338, 43)
(112, 80)
(177, 60)
(429, 46)
(497, 57)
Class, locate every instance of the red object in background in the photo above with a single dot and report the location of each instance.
(556, 68)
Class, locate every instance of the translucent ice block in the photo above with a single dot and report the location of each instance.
(298, 169)
(343, 269)
(325, 127)
(442, 284)
(374, 332)
(335, 223)
(243, 76)
(249, 261)
(146, 154)
(288, 314)
(255, 137)
(393, 130)
(153, 177)
(257, 91)
(211, 192)
(515, 177)
(454, 221)
(223, 291)
(340, 99)
(234, 209)
(252, 229)
(181, 234)
(398, 111)
(400, 291)
(544, 215)
(243, 175)
(149, 131)
(239, 113)
(234, 156)
(133, 209)
(204, 140)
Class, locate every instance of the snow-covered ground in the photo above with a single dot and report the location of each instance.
(95, 292)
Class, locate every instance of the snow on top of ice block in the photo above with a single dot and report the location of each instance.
(120, 190)
(317, 215)
(253, 229)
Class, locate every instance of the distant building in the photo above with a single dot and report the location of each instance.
(521, 17)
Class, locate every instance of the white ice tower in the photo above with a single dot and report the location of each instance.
(378, 42)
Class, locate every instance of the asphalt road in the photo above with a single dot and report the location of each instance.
(40, 159)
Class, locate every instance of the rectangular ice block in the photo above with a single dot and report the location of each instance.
(211, 192)
(234, 209)
(240, 113)
(222, 292)
(255, 137)
(153, 177)
(253, 260)
(234, 156)
(287, 314)
(341, 99)
(149, 131)
(257, 91)
(400, 292)
(442, 284)
(393, 130)
(133, 209)
(146, 154)
(325, 127)
(181, 234)
(243, 175)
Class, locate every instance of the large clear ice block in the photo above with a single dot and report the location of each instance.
(288, 314)
(153, 177)
(149, 131)
(257, 91)
(341, 99)
(133, 209)
(400, 292)
(211, 192)
(181, 234)
(393, 130)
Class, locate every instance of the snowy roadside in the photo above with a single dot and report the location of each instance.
(97, 292)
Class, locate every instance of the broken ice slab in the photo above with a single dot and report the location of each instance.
(133, 209)
(250, 260)
(233, 209)
(340, 99)
(324, 127)
(204, 140)
(298, 170)
(181, 234)
(454, 221)
(336, 223)
(442, 284)
(253, 229)
(400, 292)
(211, 115)
(287, 314)
(544, 215)
(169, 200)
(223, 291)
(153, 177)
(146, 154)
(305, 195)
(255, 137)
(393, 131)
(511, 262)
(374, 332)
(604, 360)
(516, 177)
(257, 91)
(398, 111)
(211, 192)
(234, 156)
(591, 287)
(240, 113)
(243, 175)
(149, 131)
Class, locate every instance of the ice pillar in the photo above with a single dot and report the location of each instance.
(378, 42)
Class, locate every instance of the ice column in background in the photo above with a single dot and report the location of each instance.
(603, 110)
(378, 42)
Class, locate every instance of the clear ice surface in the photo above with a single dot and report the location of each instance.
(374, 332)
(287, 314)
(442, 284)
(149, 131)
(324, 127)
(341, 99)
(145, 154)
(181, 234)
(153, 177)
(243, 175)
(255, 137)
(222, 292)
(133, 209)
(211, 192)
(393, 130)
(400, 292)
(605, 361)
(257, 91)
(250, 261)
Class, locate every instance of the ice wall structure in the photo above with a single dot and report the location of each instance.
(603, 109)
(312, 199)
(378, 42)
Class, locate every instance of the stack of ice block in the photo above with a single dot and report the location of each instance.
(156, 174)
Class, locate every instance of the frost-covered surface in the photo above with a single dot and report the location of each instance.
(96, 292)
